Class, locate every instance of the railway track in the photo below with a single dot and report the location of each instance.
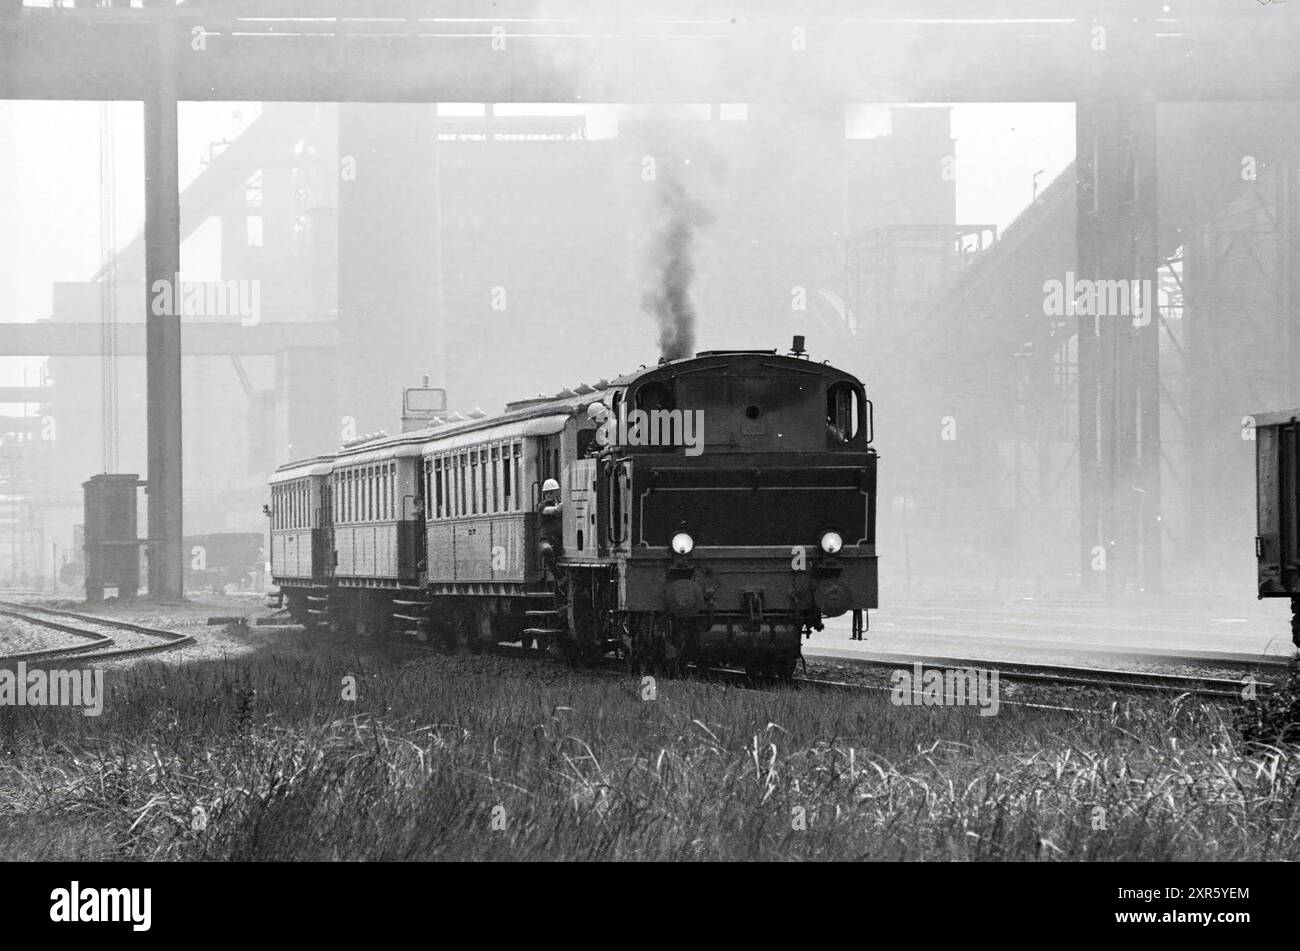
(1038, 674)
(129, 640)
(126, 640)
(1069, 675)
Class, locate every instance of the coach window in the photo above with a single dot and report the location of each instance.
(473, 483)
(448, 496)
(434, 485)
(463, 476)
(457, 463)
(439, 487)
(505, 478)
(448, 499)
(483, 480)
(462, 491)
(519, 477)
(458, 487)
(467, 484)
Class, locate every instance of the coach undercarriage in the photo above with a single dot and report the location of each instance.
(573, 617)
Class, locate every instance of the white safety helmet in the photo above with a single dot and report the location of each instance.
(550, 485)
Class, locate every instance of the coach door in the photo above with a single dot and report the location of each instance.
(549, 466)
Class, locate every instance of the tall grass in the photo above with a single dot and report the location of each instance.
(485, 758)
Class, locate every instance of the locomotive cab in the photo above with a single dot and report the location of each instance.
(737, 495)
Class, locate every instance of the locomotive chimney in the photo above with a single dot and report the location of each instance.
(796, 347)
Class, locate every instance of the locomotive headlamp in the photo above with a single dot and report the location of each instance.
(683, 543)
(831, 542)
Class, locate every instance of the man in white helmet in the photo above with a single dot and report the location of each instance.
(551, 530)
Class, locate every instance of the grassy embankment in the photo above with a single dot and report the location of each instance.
(435, 751)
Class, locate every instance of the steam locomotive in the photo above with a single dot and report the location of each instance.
(712, 510)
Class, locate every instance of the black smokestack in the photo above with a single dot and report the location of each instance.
(672, 266)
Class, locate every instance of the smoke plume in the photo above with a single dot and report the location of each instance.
(667, 297)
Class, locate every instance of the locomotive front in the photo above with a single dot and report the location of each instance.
(739, 490)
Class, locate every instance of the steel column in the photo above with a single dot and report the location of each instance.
(163, 332)
(1119, 373)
